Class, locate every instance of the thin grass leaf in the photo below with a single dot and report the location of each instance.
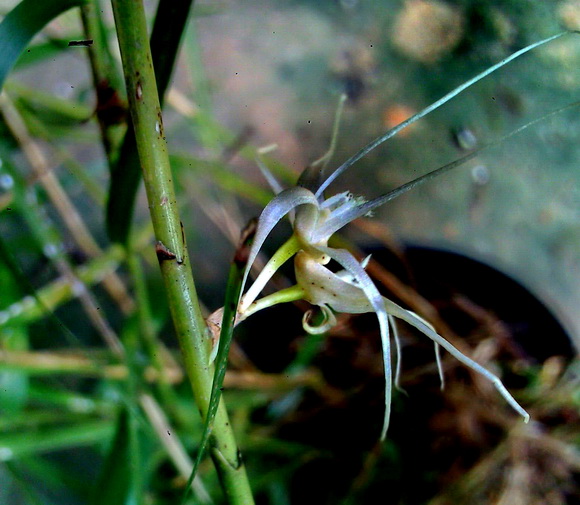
(42, 302)
(191, 168)
(170, 22)
(14, 384)
(117, 482)
(43, 51)
(22, 481)
(233, 292)
(31, 442)
(51, 109)
(22, 23)
(66, 401)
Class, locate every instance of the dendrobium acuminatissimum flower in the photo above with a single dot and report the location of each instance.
(350, 290)
(314, 220)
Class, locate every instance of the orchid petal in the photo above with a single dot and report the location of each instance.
(338, 220)
(275, 186)
(418, 323)
(324, 287)
(335, 200)
(329, 320)
(439, 365)
(349, 263)
(398, 354)
(393, 131)
(271, 215)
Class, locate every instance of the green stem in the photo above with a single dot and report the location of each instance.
(170, 22)
(171, 248)
(291, 294)
(281, 256)
(110, 107)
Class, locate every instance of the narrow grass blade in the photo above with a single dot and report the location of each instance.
(22, 23)
(42, 302)
(14, 383)
(14, 445)
(116, 484)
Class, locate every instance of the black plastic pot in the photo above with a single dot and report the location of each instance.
(426, 448)
(440, 275)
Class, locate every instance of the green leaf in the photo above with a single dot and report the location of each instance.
(22, 23)
(50, 108)
(35, 441)
(37, 53)
(117, 482)
(42, 302)
(13, 384)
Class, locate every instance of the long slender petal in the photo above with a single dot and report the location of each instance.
(336, 222)
(418, 323)
(349, 263)
(275, 186)
(393, 131)
(272, 214)
(398, 353)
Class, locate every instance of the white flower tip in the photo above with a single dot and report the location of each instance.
(385, 429)
(364, 263)
(329, 320)
(402, 390)
(267, 149)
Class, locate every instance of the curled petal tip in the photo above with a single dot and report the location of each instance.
(329, 320)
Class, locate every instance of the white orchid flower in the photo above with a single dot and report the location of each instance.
(315, 219)
(350, 290)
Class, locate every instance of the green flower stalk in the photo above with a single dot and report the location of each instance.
(315, 219)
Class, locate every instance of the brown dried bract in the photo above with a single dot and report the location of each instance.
(244, 245)
(163, 253)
